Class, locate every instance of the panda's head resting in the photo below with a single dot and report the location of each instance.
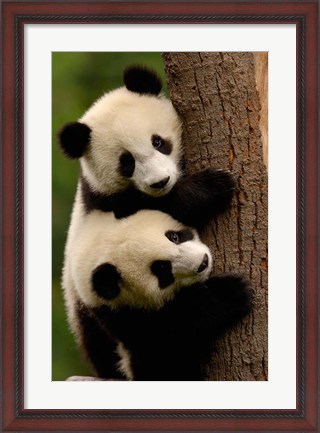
(146, 260)
(131, 135)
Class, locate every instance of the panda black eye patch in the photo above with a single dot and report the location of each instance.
(162, 269)
(161, 145)
(126, 164)
(180, 236)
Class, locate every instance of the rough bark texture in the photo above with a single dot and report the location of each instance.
(217, 99)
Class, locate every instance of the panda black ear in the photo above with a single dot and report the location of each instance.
(74, 139)
(106, 281)
(140, 79)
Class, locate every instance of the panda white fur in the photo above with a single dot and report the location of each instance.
(140, 299)
(134, 245)
(129, 146)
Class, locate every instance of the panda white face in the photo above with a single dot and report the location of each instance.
(129, 136)
(135, 139)
(140, 261)
(158, 257)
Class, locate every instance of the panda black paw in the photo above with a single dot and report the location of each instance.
(233, 291)
(197, 198)
(222, 185)
(216, 305)
(223, 303)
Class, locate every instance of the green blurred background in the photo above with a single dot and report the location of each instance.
(78, 79)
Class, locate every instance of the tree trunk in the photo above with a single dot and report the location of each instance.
(217, 99)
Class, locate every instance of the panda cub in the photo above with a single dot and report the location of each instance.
(140, 300)
(129, 146)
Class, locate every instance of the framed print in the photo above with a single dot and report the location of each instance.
(51, 52)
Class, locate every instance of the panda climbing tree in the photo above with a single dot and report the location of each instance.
(222, 101)
(93, 197)
(128, 144)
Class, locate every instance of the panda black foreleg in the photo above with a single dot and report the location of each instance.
(232, 300)
(194, 200)
(197, 198)
(214, 306)
(99, 348)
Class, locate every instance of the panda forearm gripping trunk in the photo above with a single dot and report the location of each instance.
(129, 146)
(140, 299)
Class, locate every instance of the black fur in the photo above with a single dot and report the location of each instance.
(162, 269)
(93, 200)
(161, 184)
(172, 343)
(98, 344)
(179, 237)
(204, 264)
(140, 79)
(126, 164)
(106, 281)
(194, 200)
(74, 139)
(197, 198)
(161, 145)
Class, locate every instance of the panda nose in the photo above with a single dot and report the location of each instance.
(160, 184)
(204, 264)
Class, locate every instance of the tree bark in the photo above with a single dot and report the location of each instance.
(219, 104)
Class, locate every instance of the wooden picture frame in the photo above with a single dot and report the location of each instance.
(15, 417)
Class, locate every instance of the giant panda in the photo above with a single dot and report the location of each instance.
(140, 300)
(129, 146)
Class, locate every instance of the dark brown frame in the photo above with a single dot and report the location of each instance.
(306, 417)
